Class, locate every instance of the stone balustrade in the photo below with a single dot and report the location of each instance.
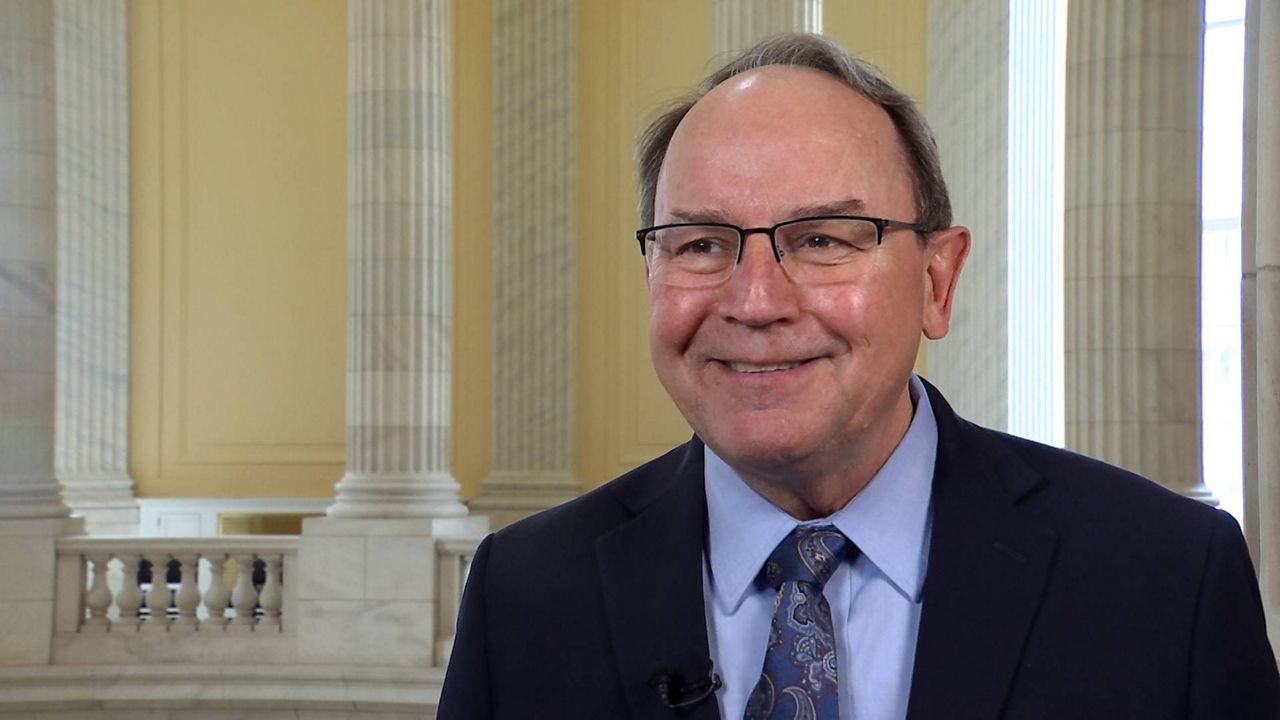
(166, 600)
(207, 625)
(161, 585)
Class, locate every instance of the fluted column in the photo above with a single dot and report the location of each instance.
(399, 333)
(994, 108)
(92, 443)
(968, 110)
(739, 23)
(28, 256)
(1260, 223)
(1132, 237)
(533, 260)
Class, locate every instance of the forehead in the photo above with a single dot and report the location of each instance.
(782, 136)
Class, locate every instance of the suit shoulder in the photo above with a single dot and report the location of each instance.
(1094, 489)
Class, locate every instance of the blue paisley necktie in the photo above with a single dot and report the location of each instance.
(799, 677)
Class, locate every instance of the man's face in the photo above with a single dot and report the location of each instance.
(767, 146)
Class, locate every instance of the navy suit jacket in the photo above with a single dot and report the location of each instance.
(1057, 587)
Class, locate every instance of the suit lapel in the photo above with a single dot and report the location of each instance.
(651, 573)
(988, 563)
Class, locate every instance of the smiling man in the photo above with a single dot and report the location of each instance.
(834, 542)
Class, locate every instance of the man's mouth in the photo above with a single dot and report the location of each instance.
(746, 367)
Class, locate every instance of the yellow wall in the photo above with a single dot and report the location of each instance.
(238, 147)
(633, 58)
(239, 261)
(473, 245)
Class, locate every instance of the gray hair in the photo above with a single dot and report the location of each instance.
(933, 205)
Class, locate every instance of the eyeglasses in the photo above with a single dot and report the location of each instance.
(812, 250)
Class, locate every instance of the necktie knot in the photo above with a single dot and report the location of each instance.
(809, 554)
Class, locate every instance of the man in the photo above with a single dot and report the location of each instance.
(834, 541)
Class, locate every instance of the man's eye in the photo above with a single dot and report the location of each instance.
(699, 247)
(821, 242)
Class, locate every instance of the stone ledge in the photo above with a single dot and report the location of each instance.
(220, 687)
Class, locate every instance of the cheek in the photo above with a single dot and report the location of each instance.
(674, 318)
(869, 314)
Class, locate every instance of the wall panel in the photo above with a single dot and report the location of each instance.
(239, 246)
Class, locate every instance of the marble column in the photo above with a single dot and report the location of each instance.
(1132, 237)
(994, 107)
(534, 293)
(92, 418)
(1260, 223)
(399, 333)
(28, 256)
(740, 23)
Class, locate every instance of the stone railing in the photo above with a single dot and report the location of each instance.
(351, 617)
(164, 600)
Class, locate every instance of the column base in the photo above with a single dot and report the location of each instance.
(30, 497)
(510, 496)
(1201, 493)
(386, 495)
(104, 500)
(109, 520)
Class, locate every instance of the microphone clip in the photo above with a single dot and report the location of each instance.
(676, 695)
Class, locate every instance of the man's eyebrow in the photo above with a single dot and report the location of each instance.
(848, 206)
(708, 215)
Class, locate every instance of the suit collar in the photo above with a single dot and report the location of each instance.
(651, 572)
(988, 564)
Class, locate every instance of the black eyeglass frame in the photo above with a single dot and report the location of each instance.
(881, 224)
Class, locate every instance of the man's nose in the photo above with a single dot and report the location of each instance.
(759, 291)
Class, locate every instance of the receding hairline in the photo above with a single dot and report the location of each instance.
(820, 54)
(733, 83)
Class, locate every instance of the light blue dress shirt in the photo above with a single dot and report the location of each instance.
(875, 601)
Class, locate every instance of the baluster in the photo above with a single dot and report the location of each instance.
(217, 596)
(244, 598)
(272, 597)
(98, 599)
(187, 599)
(130, 598)
(159, 596)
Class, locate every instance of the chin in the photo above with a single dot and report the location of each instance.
(759, 450)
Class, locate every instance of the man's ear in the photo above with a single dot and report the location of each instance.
(945, 256)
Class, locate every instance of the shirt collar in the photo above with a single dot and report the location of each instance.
(888, 520)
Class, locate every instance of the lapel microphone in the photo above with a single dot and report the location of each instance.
(675, 695)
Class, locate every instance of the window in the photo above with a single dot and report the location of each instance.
(1220, 269)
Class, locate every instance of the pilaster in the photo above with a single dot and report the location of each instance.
(1132, 237)
(28, 258)
(534, 259)
(399, 331)
(741, 23)
(968, 110)
(1261, 257)
(92, 417)
(994, 105)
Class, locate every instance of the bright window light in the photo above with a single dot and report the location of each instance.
(1220, 269)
